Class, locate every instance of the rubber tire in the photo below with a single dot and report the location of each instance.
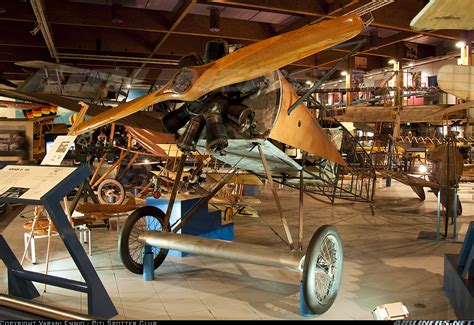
(228, 214)
(309, 268)
(123, 247)
(114, 182)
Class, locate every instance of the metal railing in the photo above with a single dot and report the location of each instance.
(25, 307)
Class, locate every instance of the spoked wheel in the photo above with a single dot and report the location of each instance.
(228, 214)
(130, 249)
(111, 191)
(322, 272)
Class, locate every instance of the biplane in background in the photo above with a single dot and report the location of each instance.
(39, 102)
(75, 82)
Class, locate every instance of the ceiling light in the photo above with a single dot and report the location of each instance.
(460, 44)
(214, 20)
(129, 86)
(343, 73)
(309, 82)
(116, 18)
(392, 61)
(422, 169)
(340, 80)
(411, 64)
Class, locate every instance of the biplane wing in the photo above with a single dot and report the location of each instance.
(441, 14)
(451, 109)
(145, 120)
(407, 179)
(244, 154)
(239, 178)
(414, 114)
(457, 80)
(149, 139)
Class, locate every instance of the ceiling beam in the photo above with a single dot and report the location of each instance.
(146, 20)
(300, 7)
(178, 17)
(102, 40)
(396, 15)
(39, 10)
(237, 29)
(133, 43)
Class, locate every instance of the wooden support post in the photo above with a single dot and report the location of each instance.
(98, 167)
(111, 168)
(134, 158)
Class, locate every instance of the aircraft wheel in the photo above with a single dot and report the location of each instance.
(322, 272)
(130, 249)
(228, 214)
(111, 191)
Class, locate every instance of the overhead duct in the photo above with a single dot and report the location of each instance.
(76, 56)
(39, 10)
(371, 6)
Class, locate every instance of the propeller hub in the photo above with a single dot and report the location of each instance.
(183, 80)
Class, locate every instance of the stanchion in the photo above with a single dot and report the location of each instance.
(148, 264)
(438, 223)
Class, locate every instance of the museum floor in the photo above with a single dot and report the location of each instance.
(384, 263)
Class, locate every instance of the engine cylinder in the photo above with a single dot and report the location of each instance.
(239, 116)
(216, 134)
(187, 142)
(175, 120)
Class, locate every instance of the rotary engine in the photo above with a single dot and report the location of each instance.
(215, 112)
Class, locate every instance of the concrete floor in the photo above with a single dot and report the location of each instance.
(384, 263)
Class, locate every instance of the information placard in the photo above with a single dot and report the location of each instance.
(61, 145)
(31, 182)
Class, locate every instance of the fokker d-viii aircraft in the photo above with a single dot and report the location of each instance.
(236, 109)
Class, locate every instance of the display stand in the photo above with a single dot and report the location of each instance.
(459, 277)
(47, 186)
(84, 191)
(207, 224)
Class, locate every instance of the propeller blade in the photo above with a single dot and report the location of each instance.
(247, 63)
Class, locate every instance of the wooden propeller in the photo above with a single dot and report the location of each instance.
(247, 63)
